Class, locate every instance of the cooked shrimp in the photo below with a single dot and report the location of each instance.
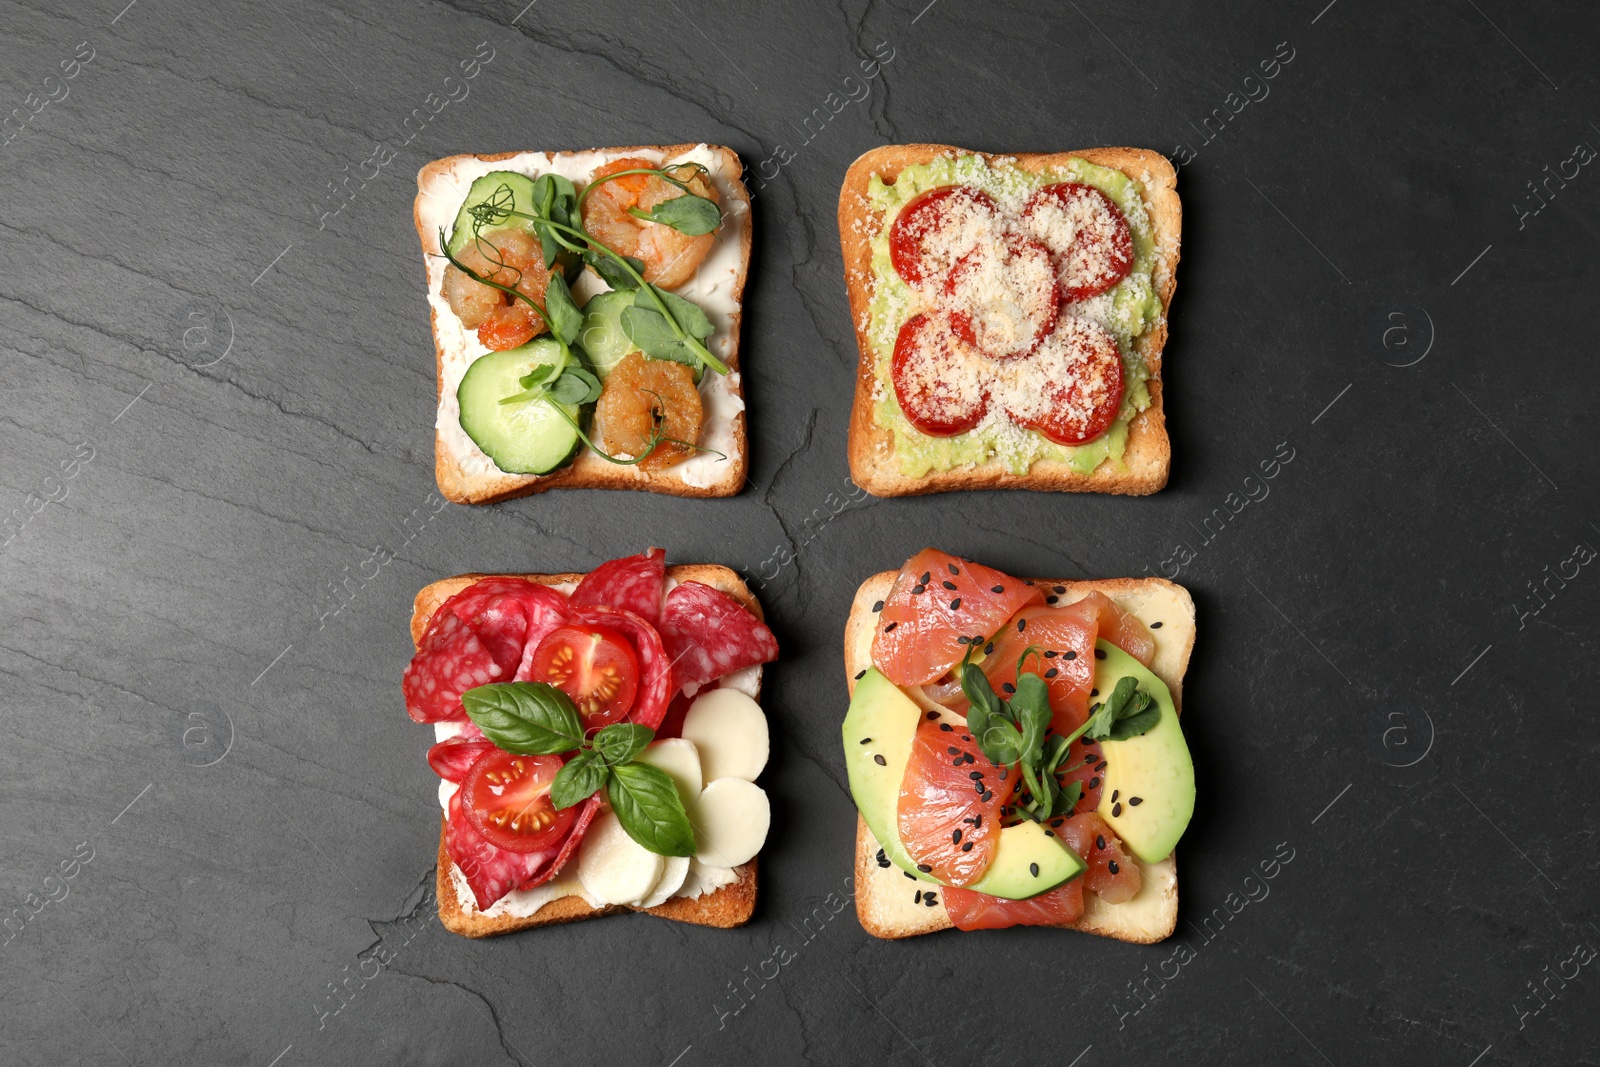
(670, 256)
(643, 397)
(510, 257)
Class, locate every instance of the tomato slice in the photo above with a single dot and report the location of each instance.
(939, 380)
(1083, 370)
(950, 801)
(593, 665)
(937, 605)
(1112, 875)
(507, 798)
(1087, 234)
(979, 911)
(1003, 297)
(937, 228)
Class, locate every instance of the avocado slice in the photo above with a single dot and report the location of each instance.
(1148, 792)
(878, 731)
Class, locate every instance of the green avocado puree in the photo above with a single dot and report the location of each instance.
(1127, 311)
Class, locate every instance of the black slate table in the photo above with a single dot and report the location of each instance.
(218, 480)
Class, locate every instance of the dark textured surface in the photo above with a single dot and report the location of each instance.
(164, 609)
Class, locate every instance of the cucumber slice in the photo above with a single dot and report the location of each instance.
(521, 187)
(602, 337)
(529, 437)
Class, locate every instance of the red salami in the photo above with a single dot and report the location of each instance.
(453, 757)
(485, 633)
(709, 634)
(655, 668)
(493, 872)
(633, 583)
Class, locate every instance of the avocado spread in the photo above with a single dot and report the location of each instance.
(1126, 312)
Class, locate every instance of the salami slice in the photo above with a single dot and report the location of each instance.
(491, 872)
(655, 668)
(709, 634)
(580, 826)
(633, 583)
(453, 757)
(457, 655)
(485, 633)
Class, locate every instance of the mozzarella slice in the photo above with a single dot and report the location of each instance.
(680, 758)
(700, 880)
(673, 872)
(730, 818)
(613, 867)
(730, 731)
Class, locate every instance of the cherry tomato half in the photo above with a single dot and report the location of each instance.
(507, 797)
(593, 665)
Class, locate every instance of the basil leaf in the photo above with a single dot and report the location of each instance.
(1067, 799)
(578, 779)
(648, 807)
(1134, 725)
(525, 718)
(690, 316)
(622, 741)
(575, 386)
(652, 335)
(1031, 704)
(565, 319)
(690, 214)
(611, 272)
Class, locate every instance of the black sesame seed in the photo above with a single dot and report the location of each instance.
(949, 585)
(929, 899)
(955, 836)
(909, 875)
(1052, 672)
(963, 640)
(1002, 774)
(946, 727)
(1008, 687)
(1155, 626)
(1116, 809)
(1099, 653)
(1135, 801)
(1022, 624)
(966, 737)
(998, 589)
(1088, 757)
(862, 673)
(877, 607)
(1112, 867)
(976, 776)
(1115, 793)
(918, 590)
(880, 761)
(927, 576)
(932, 715)
(1069, 654)
(1057, 822)
(924, 868)
(977, 820)
(966, 847)
(864, 740)
(1050, 654)
(890, 627)
(1033, 869)
(1094, 692)
(1094, 783)
(953, 568)
(988, 650)
(883, 860)
(1101, 766)
(1049, 833)
(918, 898)
(955, 605)
(953, 750)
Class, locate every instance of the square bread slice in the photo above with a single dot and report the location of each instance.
(467, 476)
(884, 896)
(731, 905)
(1148, 456)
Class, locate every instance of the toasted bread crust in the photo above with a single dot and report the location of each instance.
(588, 471)
(1148, 456)
(1155, 920)
(730, 906)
